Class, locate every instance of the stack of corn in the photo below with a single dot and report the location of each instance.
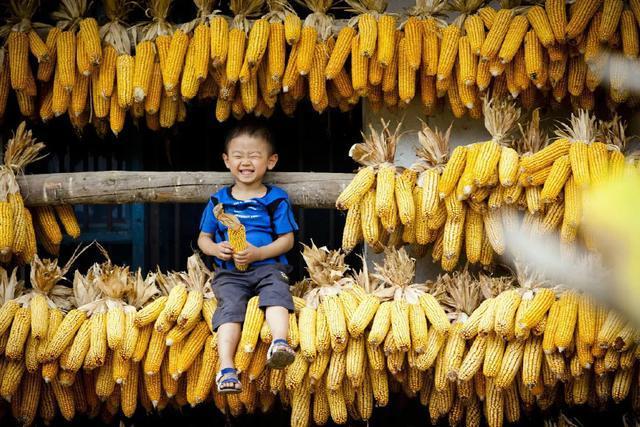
(469, 201)
(540, 54)
(469, 348)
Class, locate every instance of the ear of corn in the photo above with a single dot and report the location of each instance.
(496, 34)
(448, 51)
(307, 42)
(581, 14)
(340, 52)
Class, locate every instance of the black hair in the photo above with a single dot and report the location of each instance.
(250, 127)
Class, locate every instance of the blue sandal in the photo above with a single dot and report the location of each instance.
(280, 354)
(227, 381)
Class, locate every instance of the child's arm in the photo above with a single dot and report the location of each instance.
(283, 244)
(220, 250)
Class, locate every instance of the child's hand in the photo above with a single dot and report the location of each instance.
(224, 251)
(248, 256)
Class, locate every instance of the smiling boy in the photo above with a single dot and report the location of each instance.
(266, 214)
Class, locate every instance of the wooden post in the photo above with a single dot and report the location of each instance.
(306, 189)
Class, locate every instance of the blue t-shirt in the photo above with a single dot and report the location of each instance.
(264, 218)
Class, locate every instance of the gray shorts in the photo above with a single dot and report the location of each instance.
(233, 289)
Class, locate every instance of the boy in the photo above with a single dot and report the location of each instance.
(268, 219)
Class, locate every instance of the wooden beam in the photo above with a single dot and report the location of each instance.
(306, 189)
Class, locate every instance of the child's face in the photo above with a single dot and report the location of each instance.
(248, 159)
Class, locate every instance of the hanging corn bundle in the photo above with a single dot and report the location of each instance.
(23, 37)
(373, 49)
(411, 307)
(10, 289)
(422, 32)
(459, 70)
(326, 352)
(197, 56)
(441, 168)
(371, 196)
(198, 286)
(18, 236)
(238, 38)
(613, 133)
(533, 141)
(73, 66)
(126, 365)
(328, 281)
(271, 70)
(159, 33)
(579, 135)
(310, 57)
(456, 362)
(112, 88)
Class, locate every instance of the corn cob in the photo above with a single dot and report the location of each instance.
(539, 21)
(546, 156)
(307, 43)
(66, 59)
(18, 49)
(431, 46)
(406, 75)
(580, 17)
(37, 47)
(474, 28)
(513, 38)
(18, 334)
(557, 14)
(448, 51)
(611, 12)
(511, 362)
(629, 33)
(368, 32)
(496, 34)
(359, 67)
(336, 323)
(219, 35)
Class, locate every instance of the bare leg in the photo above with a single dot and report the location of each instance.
(278, 321)
(228, 338)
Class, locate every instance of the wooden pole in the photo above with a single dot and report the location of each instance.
(306, 189)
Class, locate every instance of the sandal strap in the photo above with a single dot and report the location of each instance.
(227, 375)
(281, 345)
(227, 371)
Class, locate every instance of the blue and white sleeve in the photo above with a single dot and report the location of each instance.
(283, 220)
(208, 222)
